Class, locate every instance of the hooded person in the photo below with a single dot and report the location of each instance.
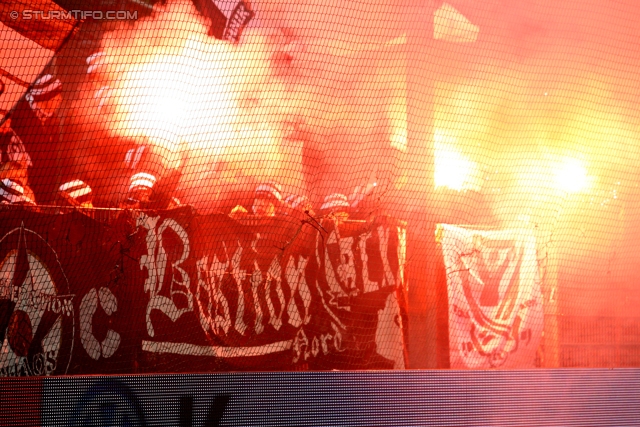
(336, 206)
(267, 200)
(144, 166)
(300, 204)
(97, 73)
(36, 122)
(152, 177)
(53, 166)
(14, 163)
(363, 202)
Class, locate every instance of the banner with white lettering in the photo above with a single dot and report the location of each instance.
(267, 294)
(359, 281)
(174, 291)
(495, 299)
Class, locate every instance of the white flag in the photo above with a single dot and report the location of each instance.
(495, 300)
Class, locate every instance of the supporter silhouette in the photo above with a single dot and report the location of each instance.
(336, 207)
(36, 122)
(14, 163)
(300, 204)
(151, 181)
(151, 177)
(267, 200)
(363, 203)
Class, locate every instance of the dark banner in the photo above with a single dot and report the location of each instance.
(179, 292)
(558, 397)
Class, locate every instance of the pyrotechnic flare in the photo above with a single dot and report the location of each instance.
(232, 103)
(187, 92)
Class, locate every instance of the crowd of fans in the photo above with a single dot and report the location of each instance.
(269, 202)
(33, 171)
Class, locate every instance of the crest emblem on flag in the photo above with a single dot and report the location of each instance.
(36, 310)
(495, 304)
(491, 286)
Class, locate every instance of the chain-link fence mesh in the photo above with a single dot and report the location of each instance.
(219, 185)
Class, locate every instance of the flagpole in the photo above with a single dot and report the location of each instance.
(423, 296)
(49, 64)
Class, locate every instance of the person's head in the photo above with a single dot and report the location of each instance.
(361, 193)
(267, 198)
(45, 96)
(336, 206)
(363, 201)
(15, 192)
(12, 149)
(301, 203)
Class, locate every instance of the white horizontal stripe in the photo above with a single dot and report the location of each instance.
(80, 192)
(13, 185)
(335, 196)
(141, 183)
(337, 203)
(93, 68)
(98, 56)
(55, 85)
(267, 188)
(143, 175)
(70, 184)
(214, 351)
(11, 198)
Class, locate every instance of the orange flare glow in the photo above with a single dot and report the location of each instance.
(571, 176)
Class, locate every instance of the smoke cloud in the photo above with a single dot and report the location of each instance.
(308, 103)
(546, 85)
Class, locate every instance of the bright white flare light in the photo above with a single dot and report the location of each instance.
(452, 168)
(571, 176)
